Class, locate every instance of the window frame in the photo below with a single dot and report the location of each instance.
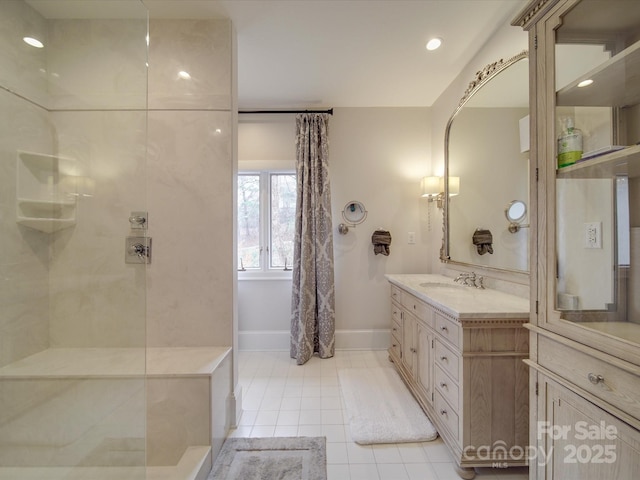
(264, 271)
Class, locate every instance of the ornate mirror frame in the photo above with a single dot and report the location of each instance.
(482, 77)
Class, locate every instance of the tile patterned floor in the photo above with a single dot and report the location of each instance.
(281, 398)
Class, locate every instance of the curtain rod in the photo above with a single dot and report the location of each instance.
(329, 111)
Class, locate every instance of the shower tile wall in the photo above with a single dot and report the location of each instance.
(201, 48)
(97, 71)
(97, 64)
(24, 69)
(96, 299)
(188, 188)
(24, 256)
(190, 178)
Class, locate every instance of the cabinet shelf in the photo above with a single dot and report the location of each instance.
(619, 162)
(616, 83)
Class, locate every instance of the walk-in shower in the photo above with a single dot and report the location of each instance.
(81, 394)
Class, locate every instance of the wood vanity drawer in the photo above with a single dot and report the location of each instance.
(447, 329)
(611, 383)
(396, 293)
(395, 314)
(396, 348)
(447, 416)
(415, 306)
(447, 360)
(447, 387)
(396, 331)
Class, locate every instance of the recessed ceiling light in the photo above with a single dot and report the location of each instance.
(34, 42)
(183, 74)
(434, 43)
(585, 83)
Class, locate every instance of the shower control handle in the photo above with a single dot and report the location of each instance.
(137, 250)
(139, 220)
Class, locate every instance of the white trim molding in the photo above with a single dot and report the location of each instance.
(265, 340)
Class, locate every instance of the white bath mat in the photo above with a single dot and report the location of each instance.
(381, 409)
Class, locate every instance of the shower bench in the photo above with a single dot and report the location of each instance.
(156, 413)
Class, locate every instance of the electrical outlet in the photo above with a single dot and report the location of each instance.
(411, 238)
(593, 235)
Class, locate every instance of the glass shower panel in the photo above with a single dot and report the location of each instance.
(73, 136)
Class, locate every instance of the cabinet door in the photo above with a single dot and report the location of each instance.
(592, 217)
(424, 374)
(409, 323)
(579, 441)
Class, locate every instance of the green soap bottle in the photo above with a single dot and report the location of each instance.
(569, 144)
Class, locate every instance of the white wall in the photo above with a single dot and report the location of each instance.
(377, 156)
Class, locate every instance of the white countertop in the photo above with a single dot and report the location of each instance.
(461, 301)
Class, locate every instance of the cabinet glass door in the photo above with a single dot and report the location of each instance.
(597, 208)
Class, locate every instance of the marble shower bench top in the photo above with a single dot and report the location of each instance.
(117, 362)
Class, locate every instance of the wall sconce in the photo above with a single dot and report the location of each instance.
(433, 188)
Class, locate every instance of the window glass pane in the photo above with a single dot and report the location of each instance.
(248, 221)
(283, 211)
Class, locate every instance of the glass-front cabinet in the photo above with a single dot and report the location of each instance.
(587, 161)
(585, 280)
(594, 278)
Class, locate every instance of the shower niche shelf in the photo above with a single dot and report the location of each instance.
(46, 197)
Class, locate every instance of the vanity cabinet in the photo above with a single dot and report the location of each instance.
(412, 340)
(585, 225)
(466, 371)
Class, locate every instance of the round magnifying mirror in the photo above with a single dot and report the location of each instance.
(354, 213)
(516, 211)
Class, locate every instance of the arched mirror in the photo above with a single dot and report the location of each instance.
(486, 146)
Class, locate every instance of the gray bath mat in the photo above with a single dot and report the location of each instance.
(277, 458)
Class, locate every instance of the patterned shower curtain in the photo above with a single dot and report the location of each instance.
(313, 301)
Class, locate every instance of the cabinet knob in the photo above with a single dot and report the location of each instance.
(595, 379)
(413, 350)
(443, 328)
(443, 385)
(443, 412)
(394, 329)
(443, 358)
(394, 345)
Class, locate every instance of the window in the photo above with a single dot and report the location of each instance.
(266, 221)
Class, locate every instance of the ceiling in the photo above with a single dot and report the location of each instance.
(335, 53)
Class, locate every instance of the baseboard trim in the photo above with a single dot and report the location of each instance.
(278, 340)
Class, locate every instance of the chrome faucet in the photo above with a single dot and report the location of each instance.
(470, 279)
